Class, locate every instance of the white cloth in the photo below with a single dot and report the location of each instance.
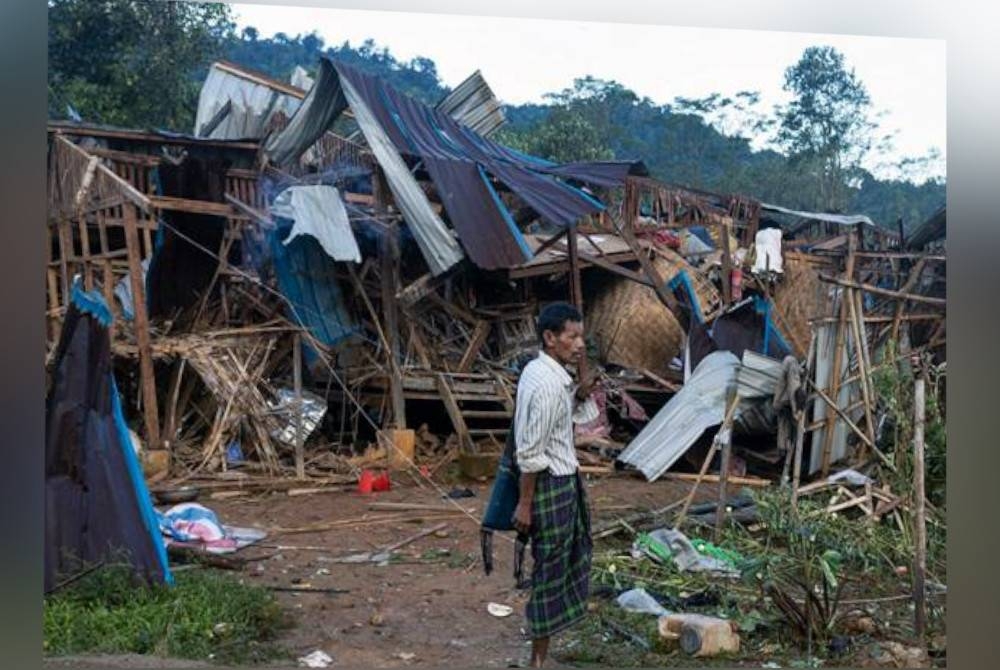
(319, 212)
(767, 245)
(545, 412)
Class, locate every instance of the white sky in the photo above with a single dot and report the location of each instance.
(522, 59)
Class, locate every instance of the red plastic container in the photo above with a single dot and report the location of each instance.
(381, 483)
(366, 481)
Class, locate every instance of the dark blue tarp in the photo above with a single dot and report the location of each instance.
(97, 507)
(307, 279)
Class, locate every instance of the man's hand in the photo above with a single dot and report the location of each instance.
(586, 385)
(522, 517)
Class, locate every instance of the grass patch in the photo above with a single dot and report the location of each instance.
(206, 615)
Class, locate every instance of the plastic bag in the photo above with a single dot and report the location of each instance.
(637, 600)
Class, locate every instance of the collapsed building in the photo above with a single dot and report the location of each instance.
(324, 265)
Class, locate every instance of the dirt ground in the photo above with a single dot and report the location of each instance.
(427, 607)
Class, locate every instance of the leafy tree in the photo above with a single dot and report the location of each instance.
(564, 136)
(132, 62)
(826, 129)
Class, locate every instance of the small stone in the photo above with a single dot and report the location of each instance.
(441, 533)
(376, 619)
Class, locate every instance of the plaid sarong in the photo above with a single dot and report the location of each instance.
(561, 548)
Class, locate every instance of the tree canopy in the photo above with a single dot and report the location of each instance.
(132, 62)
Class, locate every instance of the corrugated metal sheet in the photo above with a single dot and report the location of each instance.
(473, 104)
(758, 376)
(252, 103)
(436, 241)
(699, 405)
(847, 395)
(931, 230)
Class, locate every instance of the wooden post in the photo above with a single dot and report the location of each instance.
(720, 436)
(720, 509)
(800, 427)
(300, 459)
(727, 266)
(920, 503)
(911, 281)
(170, 422)
(140, 322)
(575, 292)
(65, 251)
(389, 257)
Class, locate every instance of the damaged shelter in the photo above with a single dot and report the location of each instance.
(327, 274)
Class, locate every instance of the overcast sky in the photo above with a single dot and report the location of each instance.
(522, 59)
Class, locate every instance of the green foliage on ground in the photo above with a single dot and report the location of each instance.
(206, 615)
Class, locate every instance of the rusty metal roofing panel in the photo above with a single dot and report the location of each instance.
(473, 104)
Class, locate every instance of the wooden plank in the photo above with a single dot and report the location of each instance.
(69, 128)
(140, 323)
(52, 279)
(476, 343)
(715, 479)
(217, 118)
(850, 424)
(253, 213)
(875, 290)
(65, 251)
(163, 202)
(652, 275)
(907, 286)
(727, 265)
(454, 413)
(556, 267)
(615, 268)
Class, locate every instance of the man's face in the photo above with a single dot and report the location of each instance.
(568, 346)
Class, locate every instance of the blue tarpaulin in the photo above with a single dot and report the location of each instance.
(306, 277)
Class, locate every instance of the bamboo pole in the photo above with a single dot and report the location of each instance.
(859, 347)
(920, 532)
(300, 460)
(719, 437)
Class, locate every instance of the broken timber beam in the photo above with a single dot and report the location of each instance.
(141, 326)
(868, 288)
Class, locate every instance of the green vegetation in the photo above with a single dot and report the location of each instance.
(132, 63)
(205, 615)
(790, 556)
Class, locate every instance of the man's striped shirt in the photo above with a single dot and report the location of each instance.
(544, 416)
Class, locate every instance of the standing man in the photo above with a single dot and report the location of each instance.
(552, 507)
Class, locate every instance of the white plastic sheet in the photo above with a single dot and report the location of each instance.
(319, 211)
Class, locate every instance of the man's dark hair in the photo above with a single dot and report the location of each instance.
(554, 318)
